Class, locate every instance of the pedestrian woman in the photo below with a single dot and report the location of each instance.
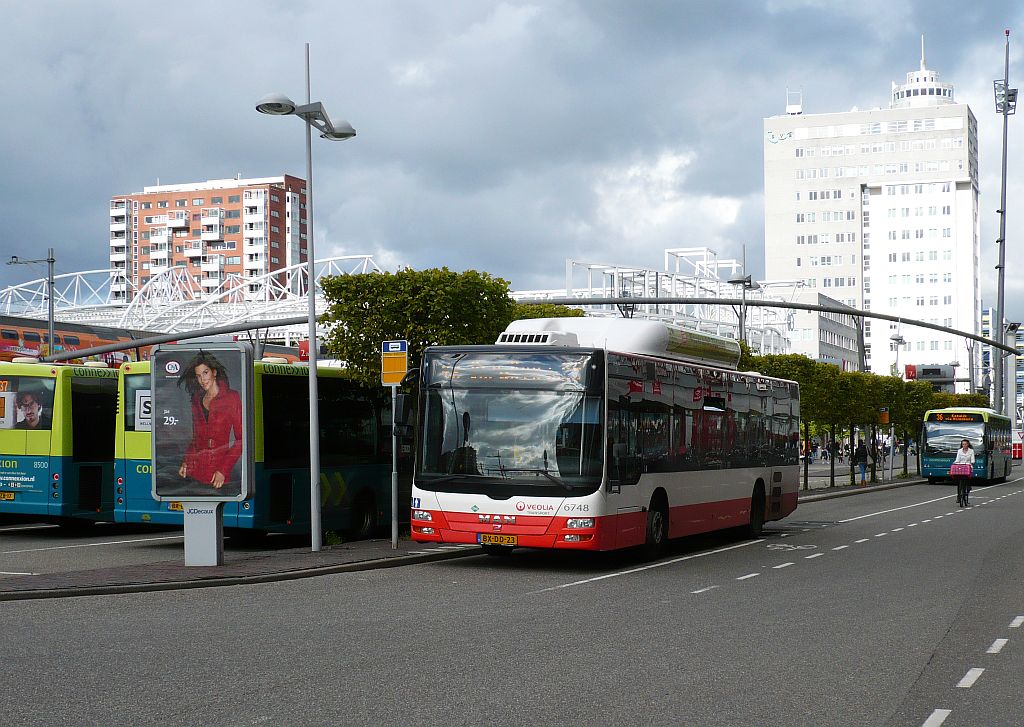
(216, 422)
(860, 457)
(961, 470)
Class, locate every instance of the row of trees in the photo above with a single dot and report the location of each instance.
(442, 307)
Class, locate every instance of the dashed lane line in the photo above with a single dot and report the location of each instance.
(970, 678)
(816, 555)
(91, 545)
(748, 575)
(782, 565)
(937, 718)
(1016, 623)
(997, 646)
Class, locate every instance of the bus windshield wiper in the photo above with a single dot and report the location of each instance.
(557, 480)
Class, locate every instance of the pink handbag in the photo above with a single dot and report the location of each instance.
(960, 470)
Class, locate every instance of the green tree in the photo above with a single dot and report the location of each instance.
(545, 310)
(425, 307)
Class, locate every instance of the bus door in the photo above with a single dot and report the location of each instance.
(89, 471)
(624, 464)
(133, 453)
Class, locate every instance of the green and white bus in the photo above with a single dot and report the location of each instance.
(989, 433)
(355, 454)
(57, 442)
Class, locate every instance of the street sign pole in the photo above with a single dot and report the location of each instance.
(394, 363)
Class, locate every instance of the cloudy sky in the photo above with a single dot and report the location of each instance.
(498, 136)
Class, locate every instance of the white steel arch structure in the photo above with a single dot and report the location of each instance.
(174, 300)
(689, 273)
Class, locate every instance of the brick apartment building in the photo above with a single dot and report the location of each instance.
(222, 232)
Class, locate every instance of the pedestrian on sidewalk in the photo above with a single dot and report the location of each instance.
(962, 469)
(860, 458)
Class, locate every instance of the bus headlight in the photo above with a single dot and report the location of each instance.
(420, 515)
(580, 522)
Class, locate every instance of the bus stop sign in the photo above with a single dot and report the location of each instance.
(394, 362)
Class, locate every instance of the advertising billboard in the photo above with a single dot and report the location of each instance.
(201, 421)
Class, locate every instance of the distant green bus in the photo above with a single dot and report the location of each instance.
(989, 433)
(57, 442)
(355, 454)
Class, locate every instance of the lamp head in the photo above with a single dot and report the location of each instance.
(13, 260)
(276, 104)
(339, 132)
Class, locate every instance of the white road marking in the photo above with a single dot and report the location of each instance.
(1016, 623)
(840, 547)
(938, 517)
(862, 540)
(880, 535)
(15, 573)
(918, 504)
(896, 530)
(927, 521)
(91, 545)
(748, 575)
(782, 565)
(816, 555)
(937, 718)
(704, 590)
(646, 567)
(969, 678)
(997, 646)
(15, 528)
(912, 525)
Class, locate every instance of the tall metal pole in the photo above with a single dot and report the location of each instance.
(997, 325)
(314, 399)
(50, 260)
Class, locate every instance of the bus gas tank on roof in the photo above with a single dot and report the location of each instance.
(653, 338)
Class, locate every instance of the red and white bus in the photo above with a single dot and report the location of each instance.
(597, 434)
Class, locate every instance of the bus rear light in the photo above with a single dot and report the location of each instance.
(56, 495)
(120, 490)
(420, 515)
(574, 523)
(245, 505)
(120, 501)
(120, 480)
(55, 485)
(56, 476)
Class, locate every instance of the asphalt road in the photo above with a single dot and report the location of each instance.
(870, 610)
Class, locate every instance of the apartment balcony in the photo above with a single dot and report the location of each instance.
(155, 254)
(159, 234)
(157, 269)
(213, 264)
(118, 239)
(195, 250)
(118, 224)
(177, 220)
(254, 247)
(253, 231)
(118, 208)
(210, 282)
(211, 233)
(119, 286)
(211, 216)
(118, 257)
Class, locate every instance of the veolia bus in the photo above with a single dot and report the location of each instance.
(57, 442)
(596, 434)
(355, 454)
(989, 433)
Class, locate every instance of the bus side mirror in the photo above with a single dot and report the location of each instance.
(403, 417)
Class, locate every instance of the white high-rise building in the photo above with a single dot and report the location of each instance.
(879, 209)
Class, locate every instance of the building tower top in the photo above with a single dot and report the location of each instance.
(921, 89)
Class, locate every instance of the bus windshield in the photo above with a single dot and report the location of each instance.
(943, 438)
(544, 439)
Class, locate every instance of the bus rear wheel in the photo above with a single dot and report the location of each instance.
(756, 526)
(363, 523)
(657, 528)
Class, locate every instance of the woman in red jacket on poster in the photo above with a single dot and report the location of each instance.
(216, 423)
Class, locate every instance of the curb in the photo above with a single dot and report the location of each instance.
(858, 491)
(217, 582)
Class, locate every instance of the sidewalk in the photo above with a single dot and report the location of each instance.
(246, 567)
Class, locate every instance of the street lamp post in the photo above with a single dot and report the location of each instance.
(49, 260)
(745, 283)
(899, 341)
(1006, 104)
(313, 114)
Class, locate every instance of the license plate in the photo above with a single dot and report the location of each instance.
(7, 495)
(497, 539)
(176, 506)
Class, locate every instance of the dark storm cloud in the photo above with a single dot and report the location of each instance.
(499, 136)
